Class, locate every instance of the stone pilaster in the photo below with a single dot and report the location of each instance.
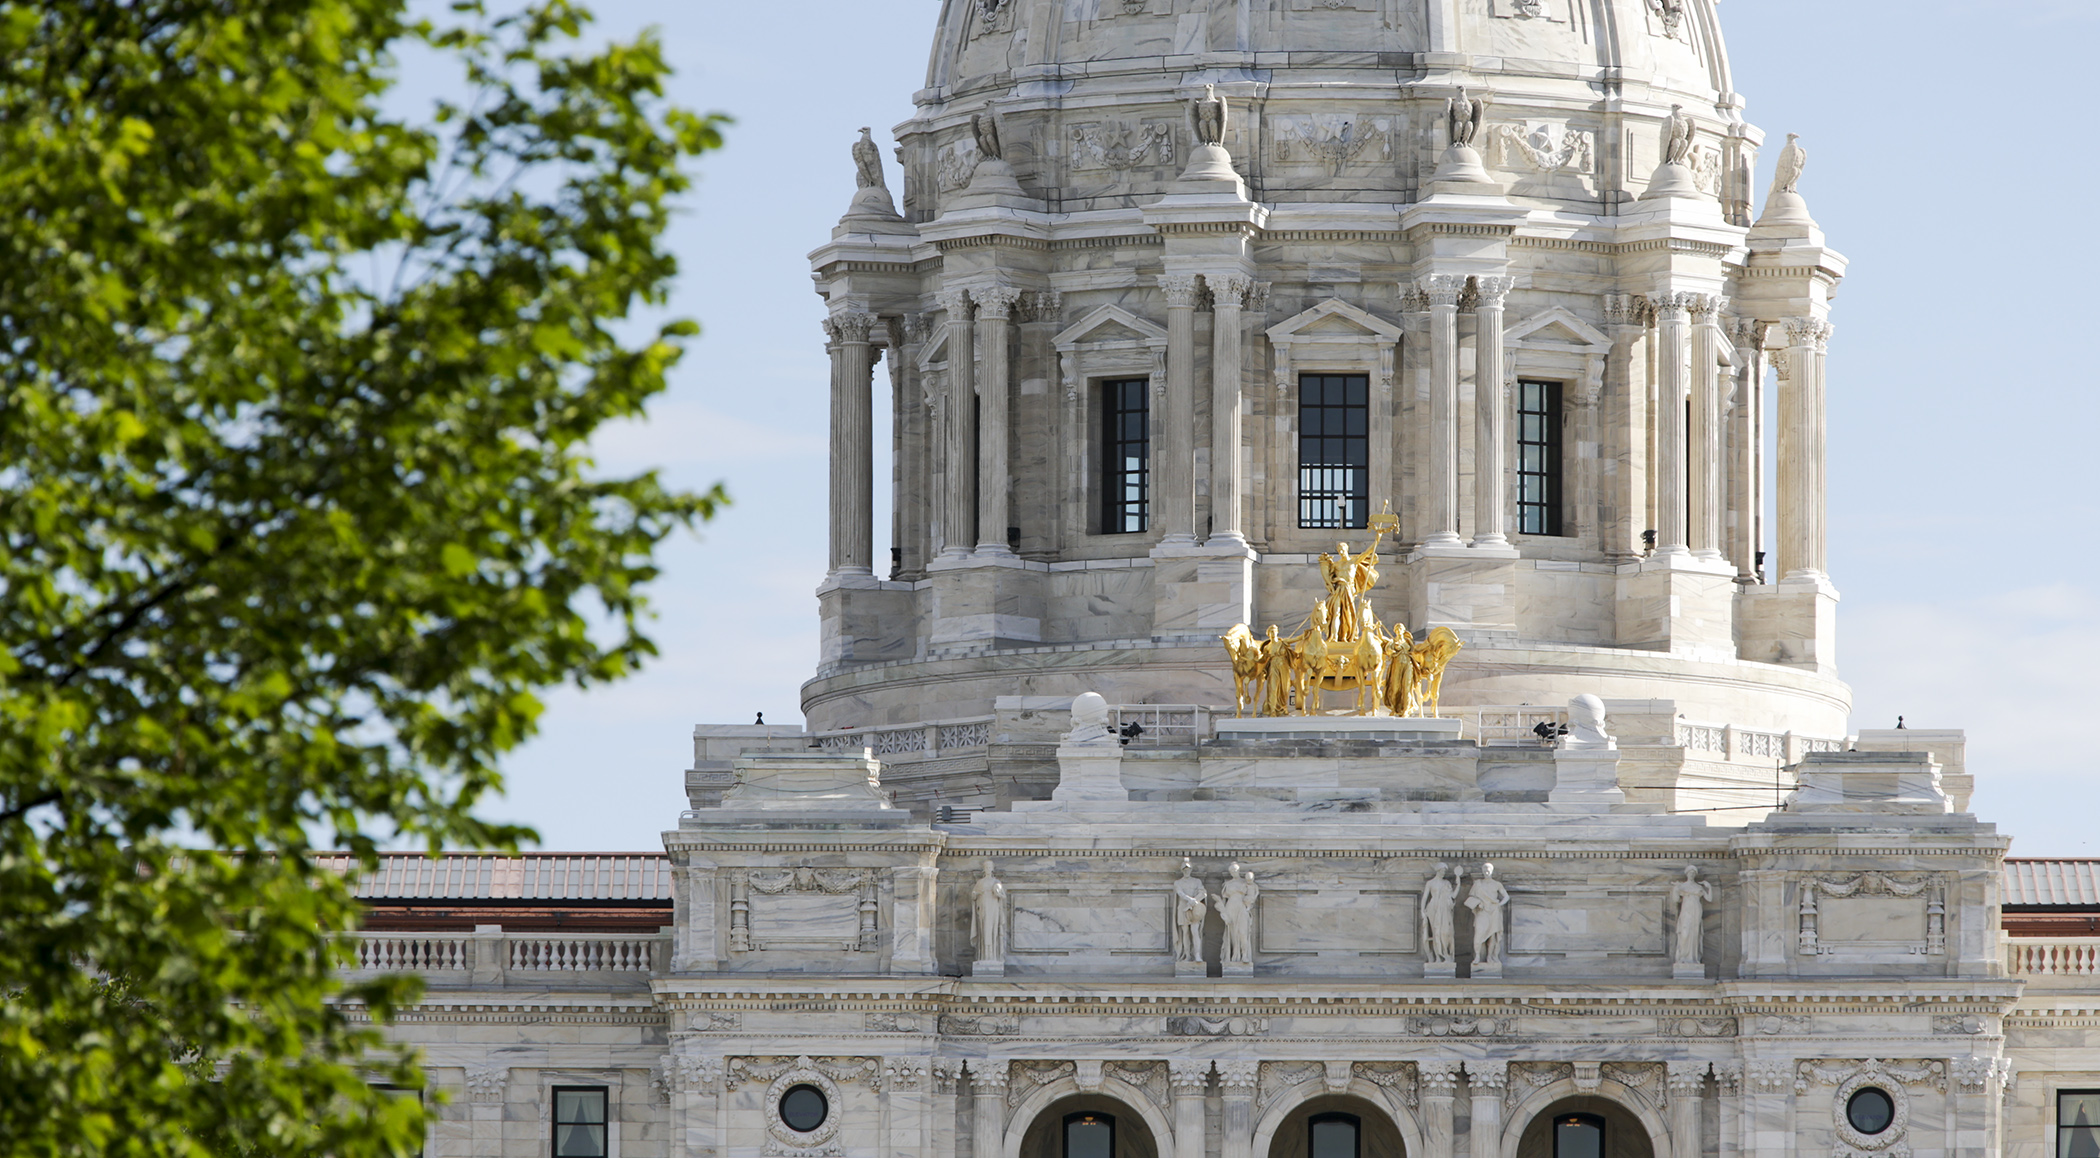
(1491, 426)
(946, 1076)
(1439, 1089)
(907, 1103)
(1486, 1081)
(1687, 1081)
(1188, 1078)
(1442, 293)
(695, 1085)
(852, 442)
(1708, 392)
(1728, 1080)
(994, 424)
(956, 532)
(1227, 365)
(1237, 1080)
(988, 1082)
(1672, 360)
(1174, 451)
(1802, 473)
(911, 919)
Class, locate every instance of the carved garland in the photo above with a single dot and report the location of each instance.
(782, 1139)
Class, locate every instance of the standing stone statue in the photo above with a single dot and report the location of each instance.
(1191, 906)
(988, 917)
(1487, 901)
(1677, 137)
(1439, 903)
(1691, 896)
(1792, 160)
(1465, 114)
(867, 162)
(986, 129)
(1207, 117)
(1236, 906)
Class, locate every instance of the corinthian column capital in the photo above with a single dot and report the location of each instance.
(1489, 292)
(1811, 332)
(1442, 290)
(1180, 289)
(954, 302)
(852, 326)
(997, 302)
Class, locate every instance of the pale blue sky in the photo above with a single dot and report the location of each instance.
(1943, 163)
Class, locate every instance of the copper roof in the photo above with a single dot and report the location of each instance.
(2052, 882)
(463, 876)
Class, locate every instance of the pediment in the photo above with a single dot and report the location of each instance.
(936, 348)
(1333, 320)
(1558, 326)
(1110, 325)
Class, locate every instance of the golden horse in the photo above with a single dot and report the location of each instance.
(1246, 656)
(1430, 657)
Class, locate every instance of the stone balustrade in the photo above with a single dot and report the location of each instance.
(496, 957)
(2052, 956)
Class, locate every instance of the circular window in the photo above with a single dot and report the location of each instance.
(1870, 1111)
(803, 1108)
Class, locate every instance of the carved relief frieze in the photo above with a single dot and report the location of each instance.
(1195, 1026)
(1029, 1076)
(1121, 146)
(1774, 1024)
(682, 1073)
(1549, 11)
(1331, 140)
(1527, 1078)
(1398, 1077)
(893, 1023)
(1441, 1026)
(1964, 1023)
(1705, 1027)
(741, 1071)
(1149, 1076)
(485, 1083)
(1276, 1077)
(1542, 147)
(979, 1025)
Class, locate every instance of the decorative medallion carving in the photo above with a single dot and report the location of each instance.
(1193, 1026)
(1706, 1027)
(785, 1140)
(1889, 1077)
(979, 1025)
(1542, 147)
(1441, 1026)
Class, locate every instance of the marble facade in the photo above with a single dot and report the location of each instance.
(1024, 864)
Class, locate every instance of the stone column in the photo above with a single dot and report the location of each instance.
(995, 306)
(1237, 1080)
(1439, 1088)
(1801, 447)
(1188, 1077)
(1687, 1081)
(1728, 1079)
(988, 1109)
(940, 1141)
(1173, 440)
(1746, 465)
(1485, 1081)
(1442, 293)
(958, 485)
(1672, 360)
(1708, 413)
(1623, 435)
(1227, 473)
(852, 443)
(1491, 424)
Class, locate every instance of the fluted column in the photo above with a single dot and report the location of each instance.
(1491, 422)
(852, 443)
(1188, 1077)
(1227, 481)
(988, 1081)
(1485, 1081)
(995, 307)
(1672, 360)
(1746, 464)
(1439, 1089)
(958, 484)
(1801, 448)
(1442, 294)
(1236, 1081)
(1708, 394)
(1174, 468)
(1687, 1086)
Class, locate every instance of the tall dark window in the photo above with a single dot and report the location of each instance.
(1538, 458)
(1126, 455)
(1333, 1136)
(1578, 1136)
(2078, 1124)
(1090, 1135)
(1334, 450)
(579, 1122)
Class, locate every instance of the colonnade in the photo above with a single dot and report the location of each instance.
(1703, 457)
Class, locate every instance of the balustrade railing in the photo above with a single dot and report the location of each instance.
(1162, 725)
(401, 953)
(2053, 956)
(490, 958)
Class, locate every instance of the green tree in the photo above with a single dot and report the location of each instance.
(296, 517)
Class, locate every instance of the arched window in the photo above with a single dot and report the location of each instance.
(1333, 1136)
(1578, 1136)
(1090, 1135)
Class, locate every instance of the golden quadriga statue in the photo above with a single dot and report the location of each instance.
(1342, 647)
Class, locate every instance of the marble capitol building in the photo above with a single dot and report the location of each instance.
(1356, 676)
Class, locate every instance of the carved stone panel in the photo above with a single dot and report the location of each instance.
(1588, 923)
(1312, 921)
(1060, 922)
